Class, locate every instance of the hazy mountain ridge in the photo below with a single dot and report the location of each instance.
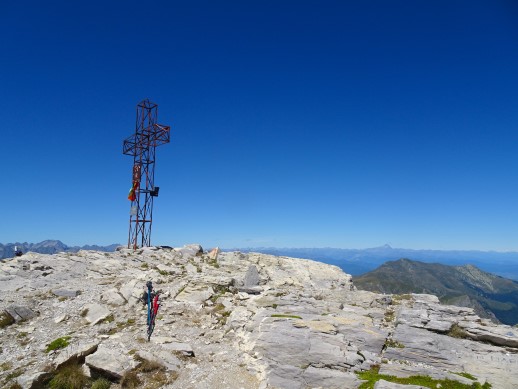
(490, 295)
(49, 247)
(359, 261)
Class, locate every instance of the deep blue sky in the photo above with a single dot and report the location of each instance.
(294, 123)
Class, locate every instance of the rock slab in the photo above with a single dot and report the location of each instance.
(20, 313)
(111, 361)
(95, 313)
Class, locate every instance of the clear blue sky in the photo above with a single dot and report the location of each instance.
(294, 123)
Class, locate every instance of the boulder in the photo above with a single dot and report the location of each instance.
(190, 250)
(195, 294)
(168, 360)
(33, 380)
(60, 318)
(498, 335)
(131, 292)
(213, 254)
(20, 313)
(66, 292)
(113, 297)
(191, 269)
(74, 352)
(111, 361)
(95, 313)
(251, 277)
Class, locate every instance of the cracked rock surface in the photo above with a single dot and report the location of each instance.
(233, 320)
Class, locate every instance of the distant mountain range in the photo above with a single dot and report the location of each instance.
(49, 247)
(491, 296)
(359, 261)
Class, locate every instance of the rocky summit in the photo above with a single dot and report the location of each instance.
(232, 320)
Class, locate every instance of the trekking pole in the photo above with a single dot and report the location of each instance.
(149, 291)
(152, 308)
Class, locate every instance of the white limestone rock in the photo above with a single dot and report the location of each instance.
(162, 339)
(183, 348)
(251, 277)
(168, 360)
(60, 318)
(382, 384)
(195, 294)
(487, 362)
(113, 297)
(132, 291)
(168, 269)
(66, 292)
(20, 313)
(111, 361)
(329, 378)
(190, 250)
(75, 351)
(95, 313)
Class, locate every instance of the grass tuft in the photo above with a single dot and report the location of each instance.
(394, 344)
(5, 319)
(286, 316)
(58, 343)
(157, 380)
(465, 375)
(389, 316)
(397, 298)
(101, 383)
(372, 376)
(6, 366)
(15, 373)
(131, 380)
(457, 331)
(123, 324)
(69, 377)
(110, 318)
(147, 366)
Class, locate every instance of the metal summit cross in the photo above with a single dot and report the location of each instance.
(142, 146)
